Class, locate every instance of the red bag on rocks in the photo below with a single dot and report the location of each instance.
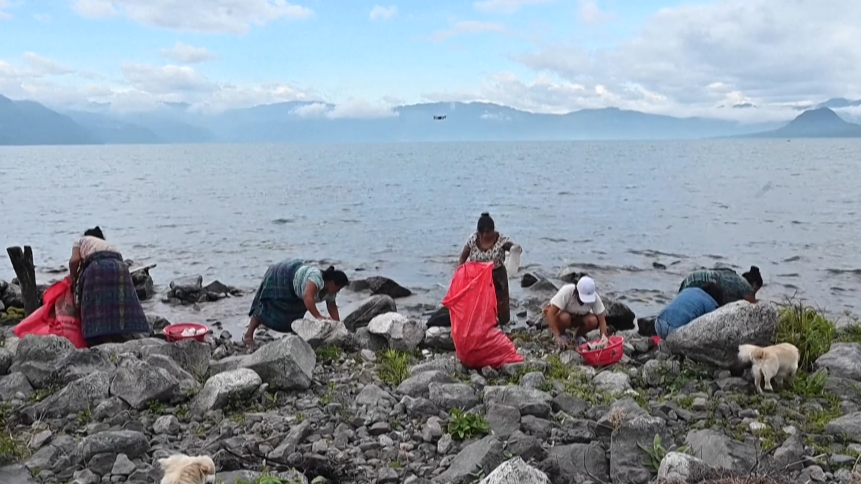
(471, 300)
(57, 316)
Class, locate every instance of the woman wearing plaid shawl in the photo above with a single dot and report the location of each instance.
(288, 290)
(104, 292)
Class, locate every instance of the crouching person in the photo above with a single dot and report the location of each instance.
(577, 307)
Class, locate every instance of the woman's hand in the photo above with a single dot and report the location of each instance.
(310, 299)
(333, 310)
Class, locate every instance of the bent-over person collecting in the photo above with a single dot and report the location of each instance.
(577, 307)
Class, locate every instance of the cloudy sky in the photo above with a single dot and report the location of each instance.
(663, 56)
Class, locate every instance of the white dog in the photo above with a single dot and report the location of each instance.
(183, 469)
(779, 362)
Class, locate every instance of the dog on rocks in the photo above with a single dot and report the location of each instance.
(778, 362)
(184, 469)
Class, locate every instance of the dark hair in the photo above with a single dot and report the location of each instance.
(95, 232)
(338, 277)
(753, 277)
(485, 224)
(715, 291)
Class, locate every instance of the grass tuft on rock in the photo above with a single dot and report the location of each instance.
(328, 354)
(394, 366)
(462, 425)
(806, 328)
(11, 450)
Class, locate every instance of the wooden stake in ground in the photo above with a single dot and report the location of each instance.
(25, 270)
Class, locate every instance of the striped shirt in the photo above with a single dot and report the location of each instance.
(315, 275)
(734, 287)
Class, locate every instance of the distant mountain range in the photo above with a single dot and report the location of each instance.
(30, 123)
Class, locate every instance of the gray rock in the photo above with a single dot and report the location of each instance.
(219, 389)
(138, 383)
(38, 357)
(419, 406)
(109, 408)
(715, 337)
(193, 356)
(525, 446)
(296, 436)
(678, 467)
(76, 397)
(85, 476)
(384, 285)
(321, 332)
(538, 427)
(364, 339)
(516, 471)
(40, 439)
(446, 365)
(401, 332)
(81, 363)
(581, 461)
(620, 411)
(187, 284)
(133, 444)
(848, 425)
(453, 395)
(166, 425)
(14, 383)
(503, 420)
(432, 430)
(842, 361)
(368, 310)
(444, 445)
(719, 451)
(657, 372)
(374, 396)
(13, 297)
(285, 364)
(626, 453)
(5, 360)
(570, 405)
(439, 337)
(528, 400)
(42, 459)
(790, 455)
(123, 466)
(534, 380)
(484, 456)
(612, 382)
(227, 364)
(187, 384)
(16, 474)
(133, 347)
(417, 386)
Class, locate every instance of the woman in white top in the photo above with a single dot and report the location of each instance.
(577, 307)
(487, 245)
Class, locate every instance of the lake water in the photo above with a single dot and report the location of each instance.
(405, 210)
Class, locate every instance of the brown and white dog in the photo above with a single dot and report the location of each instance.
(778, 362)
(183, 469)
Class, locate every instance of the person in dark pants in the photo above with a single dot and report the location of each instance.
(487, 245)
(288, 290)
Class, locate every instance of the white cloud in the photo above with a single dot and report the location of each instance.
(591, 13)
(753, 52)
(187, 54)
(383, 13)
(168, 79)
(209, 16)
(42, 18)
(358, 109)
(5, 5)
(313, 110)
(506, 6)
(468, 27)
(42, 66)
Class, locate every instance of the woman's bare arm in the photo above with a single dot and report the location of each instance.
(333, 310)
(310, 298)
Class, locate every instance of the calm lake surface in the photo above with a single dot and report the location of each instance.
(405, 210)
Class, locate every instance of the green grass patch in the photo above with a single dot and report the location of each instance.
(11, 450)
(462, 425)
(394, 366)
(43, 393)
(849, 334)
(328, 354)
(656, 452)
(806, 328)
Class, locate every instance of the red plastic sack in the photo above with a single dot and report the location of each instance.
(471, 300)
(57, 316)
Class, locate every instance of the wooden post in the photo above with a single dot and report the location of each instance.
(22, 262)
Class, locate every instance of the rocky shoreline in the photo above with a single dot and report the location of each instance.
(382, 398)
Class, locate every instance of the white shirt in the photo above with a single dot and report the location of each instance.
(567, 301)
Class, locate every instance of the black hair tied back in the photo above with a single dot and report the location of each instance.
(485, 224)
(753, 276)
(338, 277)
(95, 232)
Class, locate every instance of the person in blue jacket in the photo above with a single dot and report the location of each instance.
(688, 305)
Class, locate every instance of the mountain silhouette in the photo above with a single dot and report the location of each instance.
(30, 123)
(815, 123)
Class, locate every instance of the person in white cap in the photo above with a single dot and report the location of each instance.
(577, 307)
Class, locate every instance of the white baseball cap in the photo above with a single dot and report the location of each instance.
(586, 290)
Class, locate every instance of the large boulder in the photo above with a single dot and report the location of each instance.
(138, 383)
(285, 364)
(187, 383)
(193, 356)
(842, 361)
(440, 318)
(721, 452)
(715, 337)
(448, 396)
(75, 397)
(678, 467)
(417, 386)
(369, 309)
(388, 287)
(528, 400)
(618, 315)
(40, 357)
(13, 384)
(13, 297)
(516, 471)
(401, 332)
(221, 388)
(131, 443)
(483, 456)
(321, 332)
(439, 338)
(848, 425)
(579, 462)
(626, 448)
